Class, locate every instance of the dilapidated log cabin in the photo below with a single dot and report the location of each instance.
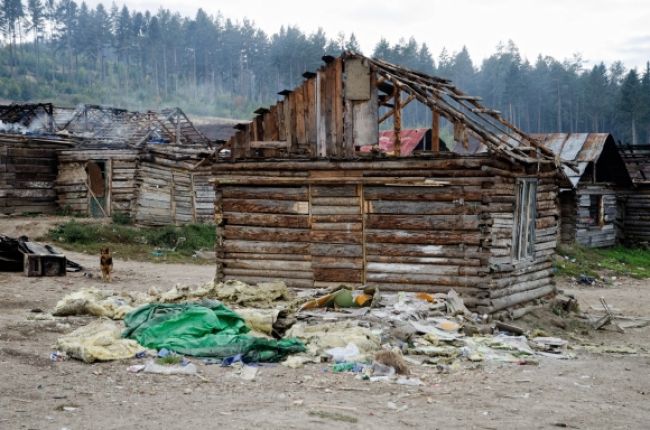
(592, 208)
(636, 225)
(298, 199)
(153, 167)
(28, 158)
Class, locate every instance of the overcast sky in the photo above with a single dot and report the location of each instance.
(606, 30)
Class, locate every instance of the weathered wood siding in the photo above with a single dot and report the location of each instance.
(379, 223)
(72, 180)
(637, 217)
(514, 282)
(329, 114)
(578, 225)
(27, 175)
(168, 195)
(266, 234)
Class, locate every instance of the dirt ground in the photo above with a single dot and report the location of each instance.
(596, 390)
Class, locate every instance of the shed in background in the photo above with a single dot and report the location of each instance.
(592, 208)
(637, 206)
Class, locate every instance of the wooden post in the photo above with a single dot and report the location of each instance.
(172, 198)
(435, 131)
(397, 121)
(109, 176)
(178, 128)
(218, 243)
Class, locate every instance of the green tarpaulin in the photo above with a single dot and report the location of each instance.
(203, 329)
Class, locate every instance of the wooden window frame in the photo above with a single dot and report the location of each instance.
(599, 209)
(525, 217)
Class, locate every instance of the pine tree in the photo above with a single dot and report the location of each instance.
(630, 105)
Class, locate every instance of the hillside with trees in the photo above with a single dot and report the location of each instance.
(68, 53)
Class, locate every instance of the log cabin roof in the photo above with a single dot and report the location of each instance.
(112, 127)
(637, 160)
(389, 83)
(94, 126)
(440, 94)
(28, 118)
(578, 153)
(583, 150)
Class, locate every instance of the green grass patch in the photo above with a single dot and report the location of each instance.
(576, 260)
(170, 360)
(160, 244)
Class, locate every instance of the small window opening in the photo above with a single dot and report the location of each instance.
(596, 210)
(523, 239)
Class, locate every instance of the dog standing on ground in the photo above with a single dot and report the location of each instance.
(106, 264)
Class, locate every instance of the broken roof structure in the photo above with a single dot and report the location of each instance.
(301, 198)
(390, 88)
(98, 161)
(591, 208)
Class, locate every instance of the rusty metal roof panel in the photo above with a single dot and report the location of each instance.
(580, 148)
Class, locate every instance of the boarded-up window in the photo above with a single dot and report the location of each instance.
(596, 210)
(523, 238)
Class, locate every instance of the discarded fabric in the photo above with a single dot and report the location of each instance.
(321, 337)
(98, 341)
(99, 303)
(204, 329)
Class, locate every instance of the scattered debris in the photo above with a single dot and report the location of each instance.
(32, 258)
(335, 416)
(587, 280)
(261, 296)
(248, 373)
(455, 304)
(57, 356)
(320, 337)
(509, 328)
(99, 303)
(607, 319)
(152, 367)
(393, 359)
(344, 354)
(98, 341)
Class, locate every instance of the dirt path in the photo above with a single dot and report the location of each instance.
(593, 391)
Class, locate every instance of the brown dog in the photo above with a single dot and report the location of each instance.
(106, 264)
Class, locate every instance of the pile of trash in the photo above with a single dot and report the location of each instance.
(376, 336)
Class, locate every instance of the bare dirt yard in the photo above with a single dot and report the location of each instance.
(598, 389)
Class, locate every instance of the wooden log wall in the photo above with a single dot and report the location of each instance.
(266, 234)
(329, 115)
(203, 195)
(123, 187)
(637, 217)
(568, 216)
(379, 223)
(72, 181)
(597, 235)
(27, 174)
(516, 282)
(173, 195)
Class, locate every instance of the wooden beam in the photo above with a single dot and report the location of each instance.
(390, 113)
(269, 144)
(435, 131)
(397, 121)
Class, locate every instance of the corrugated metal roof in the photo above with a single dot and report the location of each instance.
(580, 148)
(409, 140)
